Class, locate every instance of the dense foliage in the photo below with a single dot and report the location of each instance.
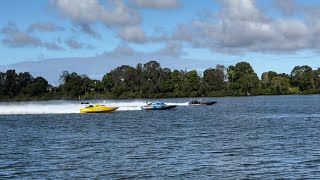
(151, 80)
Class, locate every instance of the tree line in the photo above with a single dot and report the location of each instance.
(150, 80)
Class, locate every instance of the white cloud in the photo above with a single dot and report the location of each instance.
(45, 26)
(157, 4)
(120, 14)
(182, 33)
(52, 46)
(74, 44)
(86, 28)
(241, 27)
(84, 11)
(21, 39)
(171, 49)
(288, 7)
(244, 10)
(114, 13)
(13, 37)
(121, 50)
(133, 34)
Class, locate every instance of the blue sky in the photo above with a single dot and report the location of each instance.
(269, 34)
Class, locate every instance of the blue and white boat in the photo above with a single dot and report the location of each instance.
(157, 106)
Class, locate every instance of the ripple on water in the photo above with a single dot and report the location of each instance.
(266, 137)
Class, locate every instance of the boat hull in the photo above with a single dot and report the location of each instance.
(158, 108)
(104, 109)
(202, 103)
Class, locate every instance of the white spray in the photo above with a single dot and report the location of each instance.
(64, 107)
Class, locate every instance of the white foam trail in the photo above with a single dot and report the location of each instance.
(30, 108)
(179, 104)
(64, 107)
(126, 106)
(134, 105)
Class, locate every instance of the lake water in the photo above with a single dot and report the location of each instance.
(262, 137)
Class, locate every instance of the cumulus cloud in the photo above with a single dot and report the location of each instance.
(86, 28)
(133, 34)
(52, 46)
(157, 4)
(74, 44)
(13, 37)
(182, 33)
(169, 50)
(46, 26)
(287, 7)
(121, 50)
(114, 13)
(239, 27)
(244, 10)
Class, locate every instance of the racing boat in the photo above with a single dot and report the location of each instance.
(157, 106)
(201, 102)
(97, 108)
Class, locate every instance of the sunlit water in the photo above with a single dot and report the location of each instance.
(264, 137)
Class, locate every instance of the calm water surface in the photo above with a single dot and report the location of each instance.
(263, 137)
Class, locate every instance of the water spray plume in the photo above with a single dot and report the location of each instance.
(67, 107)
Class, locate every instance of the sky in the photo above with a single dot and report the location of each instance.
(272, 35)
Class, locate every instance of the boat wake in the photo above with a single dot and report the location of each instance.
(66, 107)
(38, 108)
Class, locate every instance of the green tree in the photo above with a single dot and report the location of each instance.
(74, 85)
(11, 87)
(37, 88)
(316, 77)
(121, 80)
(214, 79)
(23, 79)
(191, 83)
(177, 79)
(302, 77)
(242, 79)
(166, 82)
(231, 73)
(152, 75)
(139, 78)
(266, 79)
(248, 83)
(280, 85)
(241, 69)
(2, 83)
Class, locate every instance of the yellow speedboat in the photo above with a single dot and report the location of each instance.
(97, 108)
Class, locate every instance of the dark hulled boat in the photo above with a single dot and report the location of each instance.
(202, 102)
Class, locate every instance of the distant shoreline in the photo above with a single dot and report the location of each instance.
(150, 80)
(149, 98)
